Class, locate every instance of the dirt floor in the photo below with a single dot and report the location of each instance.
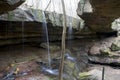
(22, 59)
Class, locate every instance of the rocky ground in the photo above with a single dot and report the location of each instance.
(110, 72)
(22, 60)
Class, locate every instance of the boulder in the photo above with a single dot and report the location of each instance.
(74, 64)
(91, 75)
(105, 51)
(71, 69)
(115, 46)
(113, 61)
(51, 47)
(103, 46)
(100, 16)
(8, 5)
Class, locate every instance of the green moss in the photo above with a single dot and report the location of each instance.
(70, 64)
(10, 16)
(84, 75)
(105, 51)
(114, 47)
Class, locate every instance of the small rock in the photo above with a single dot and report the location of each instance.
(1, 75)
(111, 61)
(91, 75)
(115, 47)
(105, 51)
(94, 50)
(71, 69)
(103, 44)
(51, 47)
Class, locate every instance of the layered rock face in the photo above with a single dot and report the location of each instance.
(30, 24)
(104, 13)
(8, 5)
(40, 16)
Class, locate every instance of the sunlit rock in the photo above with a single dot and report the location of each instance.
(36, 15)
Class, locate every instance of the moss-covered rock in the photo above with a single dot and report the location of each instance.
(51, 47)
(91, 75)
(70, 69)
(84, 76)
(115, 47)
(105, 51)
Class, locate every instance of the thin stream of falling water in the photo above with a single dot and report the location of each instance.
(23, 37)
(44, 24)
(70, 29)
(70, 32)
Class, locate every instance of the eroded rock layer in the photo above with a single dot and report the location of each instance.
(104, 13)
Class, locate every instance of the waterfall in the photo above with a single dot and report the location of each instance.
(23, 40)
(70, 32)
(44, 24)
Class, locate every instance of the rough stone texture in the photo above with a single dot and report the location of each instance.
(113, 61)
(104, 52)
(39, 16)
(110, 73)
(104, 13)
(51, 47)
(12, 32)
(101, 45)
(115, 46)
(8, 5)
(105, 45)
(91, 75)
(30, 23)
